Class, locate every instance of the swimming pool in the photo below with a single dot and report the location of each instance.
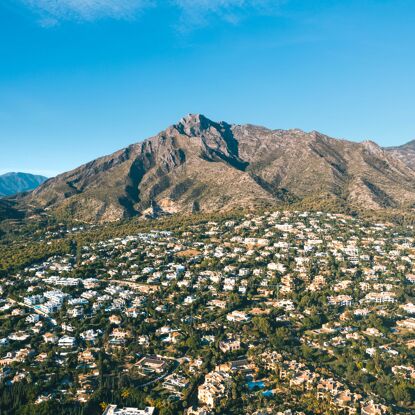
(256, 385)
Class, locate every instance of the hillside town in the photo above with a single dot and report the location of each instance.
(282, 312)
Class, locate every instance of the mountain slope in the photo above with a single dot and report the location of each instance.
(405, 152)
(199, 164)
(12, 183)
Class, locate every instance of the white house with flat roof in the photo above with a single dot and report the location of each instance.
(114, 410)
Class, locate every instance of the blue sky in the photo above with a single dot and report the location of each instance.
(82, 78)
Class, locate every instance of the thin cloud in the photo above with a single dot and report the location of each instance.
(200, 12)
(220, 5)
(197, 12)
(193, 12)
(53, 11)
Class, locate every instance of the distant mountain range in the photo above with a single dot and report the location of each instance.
(12, 183)
(202, 165)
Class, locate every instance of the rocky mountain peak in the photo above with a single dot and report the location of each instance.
(372, 148)
(194, 125)
(194, 119)
(370, 144)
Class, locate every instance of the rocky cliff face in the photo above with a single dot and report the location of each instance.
(405, 153)
(198, 164)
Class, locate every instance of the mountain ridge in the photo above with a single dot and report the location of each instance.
(405, 152)
(202, 165)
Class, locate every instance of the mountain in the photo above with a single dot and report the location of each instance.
(202, 165)
(12, 183)
(405, 152)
